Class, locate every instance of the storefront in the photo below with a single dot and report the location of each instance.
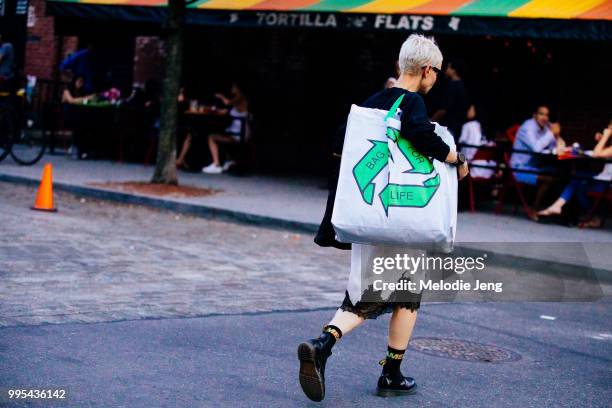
(13, 20)
(304, 62)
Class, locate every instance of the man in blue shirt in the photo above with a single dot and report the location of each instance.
(536, 135)
(7, 61)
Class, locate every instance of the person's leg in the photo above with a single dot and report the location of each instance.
(590, 220)
(556, 207)
(313, 354)
(400, 327)
(543, 186)
(346, 321)
(530, 179)
(392, 381)
(213, 146)
(77, 142)
(184, 150)
(585, 187)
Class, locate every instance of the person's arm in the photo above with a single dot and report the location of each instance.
(224, 99)
(530, 138)
(600, 149)
(419, 131)
(67, 97)
(557, 141)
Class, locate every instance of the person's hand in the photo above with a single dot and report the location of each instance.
(561, 145)
(462, 171)
(555, 128)
(222, 97)
(598, 136)
(606, 133)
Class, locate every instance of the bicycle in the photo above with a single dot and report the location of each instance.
(25, 144)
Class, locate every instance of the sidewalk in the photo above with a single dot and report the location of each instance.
(299, 203)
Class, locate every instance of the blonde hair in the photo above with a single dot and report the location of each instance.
(417, 52)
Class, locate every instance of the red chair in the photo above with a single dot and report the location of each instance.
(511, 182)
(492, 182)
(599, 198)
(511, 132)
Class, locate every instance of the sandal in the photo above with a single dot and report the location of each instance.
(592, 223)
(548, 212)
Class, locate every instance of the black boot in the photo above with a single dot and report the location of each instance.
(313, 355)
(390, 386)
(392, 382)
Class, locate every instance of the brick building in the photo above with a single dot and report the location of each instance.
(45, 48)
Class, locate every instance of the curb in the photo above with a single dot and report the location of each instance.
(203, 211)
(159, 203)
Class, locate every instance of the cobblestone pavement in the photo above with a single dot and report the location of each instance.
(96, 261)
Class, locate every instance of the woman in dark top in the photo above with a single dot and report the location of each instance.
(420, 62)
(75, 94)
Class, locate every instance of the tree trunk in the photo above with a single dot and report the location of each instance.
(165, 167)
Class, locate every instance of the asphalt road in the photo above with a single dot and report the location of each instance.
(128, 307)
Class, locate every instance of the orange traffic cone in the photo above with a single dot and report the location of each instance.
(44, 197)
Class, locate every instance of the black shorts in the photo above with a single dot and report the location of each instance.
(371, 310)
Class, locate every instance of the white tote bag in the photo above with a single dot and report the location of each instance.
(388, 193)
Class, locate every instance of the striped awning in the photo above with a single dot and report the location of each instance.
(548, 9)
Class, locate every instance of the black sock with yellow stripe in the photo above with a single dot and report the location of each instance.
(391, 364)
(334, 331)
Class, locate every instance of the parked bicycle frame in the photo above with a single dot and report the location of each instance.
(23, 142)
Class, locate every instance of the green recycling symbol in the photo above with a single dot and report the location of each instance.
(395, 195)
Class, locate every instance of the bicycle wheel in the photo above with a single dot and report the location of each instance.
(6, 132)
(28, 146)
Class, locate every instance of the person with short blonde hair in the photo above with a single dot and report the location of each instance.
(417, 52)
(420, 62)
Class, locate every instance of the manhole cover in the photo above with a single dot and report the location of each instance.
(463, 350)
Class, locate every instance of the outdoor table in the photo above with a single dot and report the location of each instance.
(566, 165)
(200, 124)
(107, 125)
(206, 119)
(582, 165)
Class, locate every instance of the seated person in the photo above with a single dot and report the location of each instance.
(76, 94)
(239, 113)
(579, 187)
(536, 135)
(184, 131)
(471, 134)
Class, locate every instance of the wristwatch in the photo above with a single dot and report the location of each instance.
(460, 159)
